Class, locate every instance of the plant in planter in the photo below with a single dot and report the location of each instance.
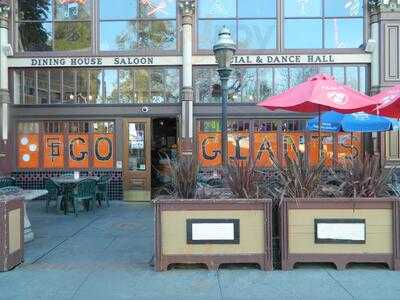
(298, 179)
(243, 179)
(363, 178)
(357, 226)
(210, 231)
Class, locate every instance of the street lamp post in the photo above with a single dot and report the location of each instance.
(4, 96)
(224, 50)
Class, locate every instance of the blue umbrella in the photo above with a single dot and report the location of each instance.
(356, 122)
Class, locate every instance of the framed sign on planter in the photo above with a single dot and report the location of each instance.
(213, 232)
(340, 231)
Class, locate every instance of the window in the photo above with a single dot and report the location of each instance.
(259, 138)
(127, 25)
(96, 86)
(66, 144)
(251, 26)
(28, 145)
(54, 25)
(323, 24)
(252, 85)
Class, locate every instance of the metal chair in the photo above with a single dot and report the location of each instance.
(7, 181)
(85, 193)
(102, 190)
(55, 193)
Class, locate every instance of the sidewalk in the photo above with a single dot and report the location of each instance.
(106, 255)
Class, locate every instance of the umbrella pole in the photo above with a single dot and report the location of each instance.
(319, 133)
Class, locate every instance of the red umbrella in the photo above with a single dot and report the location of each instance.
(389, 102)
(320, 93)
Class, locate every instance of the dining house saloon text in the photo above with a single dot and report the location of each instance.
(149, 60)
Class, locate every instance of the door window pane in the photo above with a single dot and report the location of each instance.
(18, 93)
(55, 86)
(142, 86)
(157, 86)
(43, 86)
(208, 32)
(70, 36)
(69, 86)
(257, 9)
(30, 87)
(281, 79)
(117, 10)
(265, 83)
(338, 35)
(35, 36)
(126, 90)
(338, 74)
(95, 86)
(257, 34)
(303, 8)
(310, 37)
(344, 8)
(136, 147)
(352, 77)
(110, 86)
(217, 9)
(296, 76)
(172, 85)
(249, 85)
(82, 86)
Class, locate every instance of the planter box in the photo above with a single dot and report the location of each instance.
(213, 232)
(11, 232)
(340, 231)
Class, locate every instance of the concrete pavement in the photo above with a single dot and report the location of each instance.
(106, 255)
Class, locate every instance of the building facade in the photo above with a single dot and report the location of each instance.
(115, 87)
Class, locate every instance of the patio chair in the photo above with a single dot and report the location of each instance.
(84, 193)
(7, 181)
(55, 193)
(102, 190)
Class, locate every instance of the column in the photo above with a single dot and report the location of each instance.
(4, 94)
(187, 9)
(385, 30)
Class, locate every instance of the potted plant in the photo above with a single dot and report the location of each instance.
(360, 223)
(193, 226)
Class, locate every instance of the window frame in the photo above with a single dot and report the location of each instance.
(15, 33)
(102, 99)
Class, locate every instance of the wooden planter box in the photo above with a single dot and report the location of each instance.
(213, 232)
(11, 232)
(340, 231)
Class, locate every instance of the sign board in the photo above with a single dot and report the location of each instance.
(340, 231)
(118, 61)
(213, 231)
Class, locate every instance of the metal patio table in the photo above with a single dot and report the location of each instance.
(27, 195)
(68, 184)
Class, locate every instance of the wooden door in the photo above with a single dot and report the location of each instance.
(137, 159)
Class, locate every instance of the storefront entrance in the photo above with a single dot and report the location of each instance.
(148, 146)
(137, 159)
